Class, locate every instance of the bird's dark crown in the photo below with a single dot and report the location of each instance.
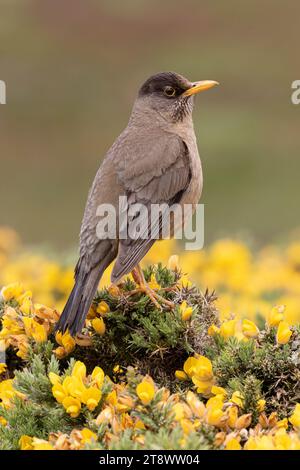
(157, 84)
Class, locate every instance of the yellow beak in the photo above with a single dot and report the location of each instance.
(197, 87)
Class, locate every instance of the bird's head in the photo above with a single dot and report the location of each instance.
(171, 95)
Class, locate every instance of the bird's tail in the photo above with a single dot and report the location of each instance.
(79, 302)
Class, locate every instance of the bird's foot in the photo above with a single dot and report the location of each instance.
(143, 287)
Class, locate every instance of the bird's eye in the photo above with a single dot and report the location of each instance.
(169, 91)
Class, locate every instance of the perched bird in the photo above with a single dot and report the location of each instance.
(155, 160)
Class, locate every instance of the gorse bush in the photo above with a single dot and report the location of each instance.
(139, 377)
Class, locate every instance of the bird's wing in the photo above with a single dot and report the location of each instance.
(161, 177)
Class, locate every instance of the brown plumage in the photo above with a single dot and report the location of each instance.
(154, 160)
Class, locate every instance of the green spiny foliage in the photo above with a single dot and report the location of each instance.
(33, 381)
(261, 368)
(139, 333)
(33, 418)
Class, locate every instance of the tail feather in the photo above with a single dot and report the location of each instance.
(79, 302)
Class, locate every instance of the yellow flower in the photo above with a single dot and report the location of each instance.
(99, 326)
(91, 313)
(153, 284)
(72, 406)
(91, 397)
(227, 328)
(283, 423)
(180, 375)
(199, 369)
(218, 391)
(187, 426)
(214, 416)
(12, 291)
(243, 421)
(112, 398)
(106, 416)
(186, 311)
(54, 378)
(259, 443)
(66, 341)
(60, 352)
(8, 393)
(79, 370)
(200, 366)
(46, 313)
(189, 366)
(3, 421)
(3, 368)
(213, 330)
(283, 333)
(185, 282)
(275, 316)
(261, 405)
(35, 330)
(10, 323)
(113, 290)
(232, 416)
(233, 444)
(88, 436)
(249, 329)
(41, 444)
(173, 263)
(98, 376)
(145, 391)
(25, 442)
(125, 403)
(102, 308)
(23, 347)
(179, 411)
(25, 302)
(215, 402)
(203, 386)
(196, 406)
(59, 392)
(237, 398)
(74, 386)
(295, 418)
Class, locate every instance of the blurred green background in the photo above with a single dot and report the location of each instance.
(72, 69)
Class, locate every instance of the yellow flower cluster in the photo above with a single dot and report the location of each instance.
(8, 393)
(234, 428)
(146, 390)
(242, 281)
(96, 317)
(24, 320)
(59, 441)
(245, 329)
(199, 369)
(272, 434)
(121, 409)
(50, 281)
(78, 389)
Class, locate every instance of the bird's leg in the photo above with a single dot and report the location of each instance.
(140, 280)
